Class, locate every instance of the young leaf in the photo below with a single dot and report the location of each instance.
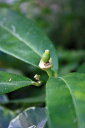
(20, 38)
(66, 101)
(10, 82)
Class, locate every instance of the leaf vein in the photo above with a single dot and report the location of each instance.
(74, 102)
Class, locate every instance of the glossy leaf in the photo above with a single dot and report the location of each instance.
(20, 38)
(10, 82)
(66, 101)
(30, 118)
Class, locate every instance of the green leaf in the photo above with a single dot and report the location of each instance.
(21, 38)
(30, 118)
(4, 5)
(66, 101)
(5, 117)
(10, 82)
(30, 101)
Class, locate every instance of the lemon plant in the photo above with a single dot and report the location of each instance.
(65, 94)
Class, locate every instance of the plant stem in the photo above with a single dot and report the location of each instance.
(38, 83)
(50, 72)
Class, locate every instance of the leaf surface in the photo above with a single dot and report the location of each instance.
(10, 82)
(30, 118)
(21, 38)
(66, 101)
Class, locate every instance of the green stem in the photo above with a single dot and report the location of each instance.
(50, 72)
(38, 83)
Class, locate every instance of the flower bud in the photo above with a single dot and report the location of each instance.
(46, 56)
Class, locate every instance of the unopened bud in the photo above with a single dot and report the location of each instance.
(46, 56)
(37, 77)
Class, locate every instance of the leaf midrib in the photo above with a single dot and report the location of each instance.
(20, 38)
(15, 82)
(74, 102)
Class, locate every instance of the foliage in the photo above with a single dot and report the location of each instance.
(53, 96)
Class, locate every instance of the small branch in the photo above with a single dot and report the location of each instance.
(46, 64)
(38, 83)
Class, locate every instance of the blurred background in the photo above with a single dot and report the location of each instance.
(64, 23)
